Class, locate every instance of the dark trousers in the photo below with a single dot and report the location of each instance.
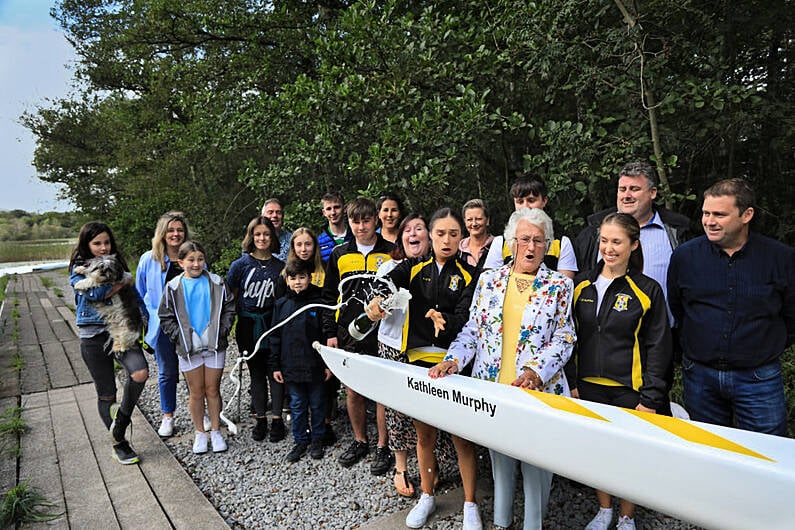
(306, 399)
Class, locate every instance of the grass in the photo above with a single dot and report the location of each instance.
(3, 283)
(46, 281)
(24, 504)
(41, 249)
(11, 428)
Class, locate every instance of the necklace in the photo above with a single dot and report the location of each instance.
(523, 284)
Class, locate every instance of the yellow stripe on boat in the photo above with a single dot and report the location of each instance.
(565, 404)
(693, 433)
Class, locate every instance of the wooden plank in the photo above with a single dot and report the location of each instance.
(34, 376)
(69, 318)
(72, 349)
(8, 458)
(38, 465)
(87, 499)
(184, 503)
(59, 368)
(131, 496)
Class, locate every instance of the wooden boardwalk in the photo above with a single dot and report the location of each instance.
(66, 451)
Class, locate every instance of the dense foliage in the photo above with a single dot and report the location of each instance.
(210, 106)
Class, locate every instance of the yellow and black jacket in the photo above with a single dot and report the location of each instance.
(629, 341)
(346, 260)
(448, 291)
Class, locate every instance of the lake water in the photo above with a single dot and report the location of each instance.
(21, 267)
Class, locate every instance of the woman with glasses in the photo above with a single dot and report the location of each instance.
(519, 333)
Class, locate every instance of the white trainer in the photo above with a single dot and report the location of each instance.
(602, 520)
(166, 427)
(217, 441)
(472, 517)
(625, 522)
(420, 513)
(200, 443)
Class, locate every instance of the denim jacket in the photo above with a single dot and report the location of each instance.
(84, 302)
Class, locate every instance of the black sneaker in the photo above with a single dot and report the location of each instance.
(383, 461)
(354, 453)
(124, 454)
(296, 452)
(260, 429)
(316, 450)
(277, 430)
(329, 436)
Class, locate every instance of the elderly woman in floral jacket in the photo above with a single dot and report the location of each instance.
(520, 332)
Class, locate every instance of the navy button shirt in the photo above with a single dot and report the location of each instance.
(737, 310)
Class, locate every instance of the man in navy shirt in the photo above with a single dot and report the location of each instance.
(732, 294)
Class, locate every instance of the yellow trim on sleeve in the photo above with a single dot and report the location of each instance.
(637, 368)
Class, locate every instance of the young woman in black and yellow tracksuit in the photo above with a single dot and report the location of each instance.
(441, 289)
(623, 337)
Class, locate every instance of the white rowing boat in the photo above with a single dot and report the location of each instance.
(712, 476)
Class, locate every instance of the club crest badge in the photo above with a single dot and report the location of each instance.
(455, 280)
(379, 260)
(622, 302)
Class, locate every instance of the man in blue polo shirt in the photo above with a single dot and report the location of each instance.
(732, 293)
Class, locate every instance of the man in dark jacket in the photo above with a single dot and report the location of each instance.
(661, 230)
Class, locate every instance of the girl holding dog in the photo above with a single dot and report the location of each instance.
(96, 239)
(155, 268)
(196, 312)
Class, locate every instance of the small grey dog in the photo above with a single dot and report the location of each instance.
(121, 311)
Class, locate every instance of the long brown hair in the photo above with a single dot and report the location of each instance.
(82, 251)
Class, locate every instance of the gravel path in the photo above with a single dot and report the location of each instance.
(254, 487)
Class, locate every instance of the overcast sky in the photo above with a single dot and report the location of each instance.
(34, 62)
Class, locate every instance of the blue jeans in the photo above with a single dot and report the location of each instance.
(306, 398)
(536, 484)
(167, 372)
(751, 399)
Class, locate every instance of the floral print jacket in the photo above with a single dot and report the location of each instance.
(546, 337)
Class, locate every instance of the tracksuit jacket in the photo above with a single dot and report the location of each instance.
(629, 341)
(449, 291)
(346, 260)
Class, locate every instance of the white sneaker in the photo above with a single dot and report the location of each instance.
(218, 442)
(419, 514)
(207, 423)
(602, 520)
(625, 522)
(166, 427)
(200, 443)
(472, 517)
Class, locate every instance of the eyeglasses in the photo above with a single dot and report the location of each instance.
(525, 241)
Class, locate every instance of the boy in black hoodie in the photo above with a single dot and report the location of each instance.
(296, 364)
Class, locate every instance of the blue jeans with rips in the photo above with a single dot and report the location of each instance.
(306, 398)
(751, 399)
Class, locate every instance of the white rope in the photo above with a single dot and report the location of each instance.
(394, 299)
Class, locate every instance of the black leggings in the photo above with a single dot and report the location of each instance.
(260, 371)
(96, 352)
